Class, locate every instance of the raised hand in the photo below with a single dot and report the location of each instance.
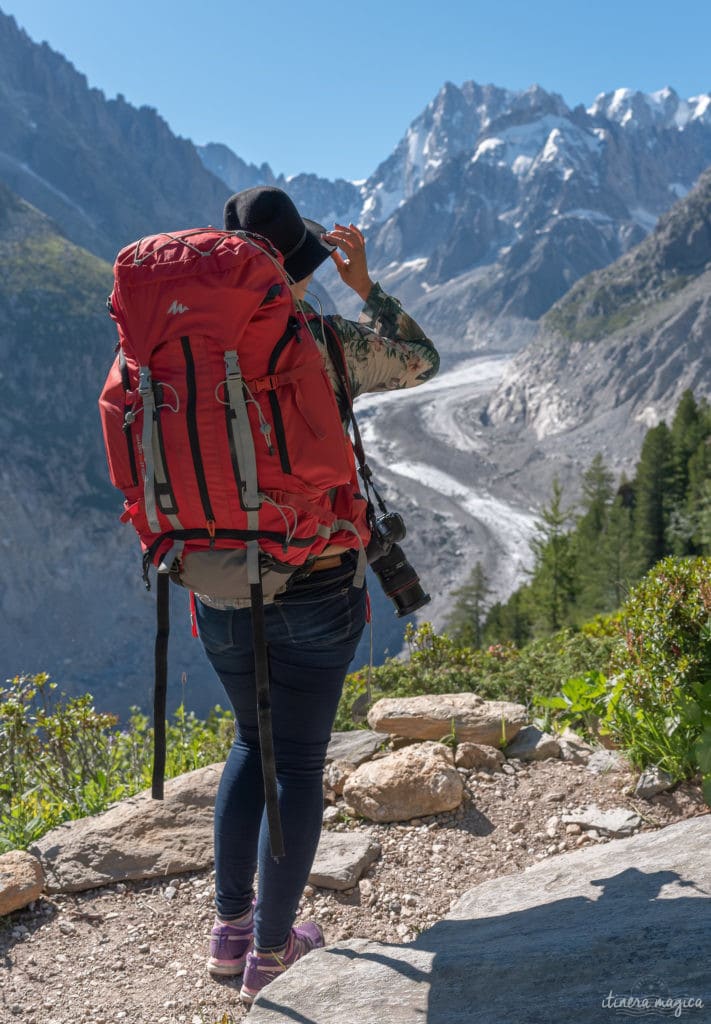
(353, 269)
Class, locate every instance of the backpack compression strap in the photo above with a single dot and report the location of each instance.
(161, 683)
(251, 501)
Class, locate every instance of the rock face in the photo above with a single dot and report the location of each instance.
(67, 149)
(477, 755)
(21, 880)
(354, 747)
(626, 341)
(341, 858)
(556, 943)
(430, 718)
(420, 779)
(533, 745)
(138, 838)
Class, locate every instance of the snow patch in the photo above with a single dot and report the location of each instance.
(381, 204)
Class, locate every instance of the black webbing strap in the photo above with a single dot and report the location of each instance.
(161, 683)
(264, 718)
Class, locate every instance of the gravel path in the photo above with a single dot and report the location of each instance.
(136, 952)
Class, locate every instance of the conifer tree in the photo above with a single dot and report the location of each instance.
(466, 622)
(553, 588)
(511, 621)
(653, 496)
(687, 432)
(617, 553)
(590, 569)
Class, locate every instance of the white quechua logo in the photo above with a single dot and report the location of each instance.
(176, 307)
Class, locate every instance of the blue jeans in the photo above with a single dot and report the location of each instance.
(313, 631)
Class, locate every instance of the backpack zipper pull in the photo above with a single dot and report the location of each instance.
(211, 531)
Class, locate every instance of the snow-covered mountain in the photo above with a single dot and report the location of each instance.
(495, 202)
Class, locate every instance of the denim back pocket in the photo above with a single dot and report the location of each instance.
(215, 627)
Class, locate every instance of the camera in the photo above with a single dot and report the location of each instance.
(398, 579)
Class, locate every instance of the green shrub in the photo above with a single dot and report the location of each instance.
(437, 664)
(661, 707)
(61, 759)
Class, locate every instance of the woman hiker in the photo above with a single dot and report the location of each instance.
(313, 629)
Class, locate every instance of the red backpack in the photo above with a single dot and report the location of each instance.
(222, 431)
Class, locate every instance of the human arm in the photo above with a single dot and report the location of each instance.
(386, 349)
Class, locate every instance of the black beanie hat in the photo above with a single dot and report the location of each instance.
(271, 213)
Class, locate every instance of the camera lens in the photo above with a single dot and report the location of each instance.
(400, 582)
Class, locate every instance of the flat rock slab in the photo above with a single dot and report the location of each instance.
(355, 747)
(430, 717)
(602, 761)
(563, 941)
(138, 838)
(341, 858)
(618, 821)
(21, 880)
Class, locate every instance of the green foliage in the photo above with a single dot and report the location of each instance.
(662, 710)
(466, 621)
(586, 564)
(580, 705)
(438, 664)
(553, 578)
(61, 759)
(655, 701)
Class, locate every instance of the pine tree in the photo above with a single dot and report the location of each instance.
(553, 588)
(466, 622)
(512, 621)
(590, 570)
(617, 552)
(654, 487)
(687, 432)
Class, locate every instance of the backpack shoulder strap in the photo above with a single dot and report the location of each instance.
(335, 349)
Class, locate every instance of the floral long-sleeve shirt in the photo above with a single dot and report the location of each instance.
(385, 349)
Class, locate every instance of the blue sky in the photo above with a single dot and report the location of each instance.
(330, 87)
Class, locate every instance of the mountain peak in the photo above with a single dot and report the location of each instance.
(661, 109)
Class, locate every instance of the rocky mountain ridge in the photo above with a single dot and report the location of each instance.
(495, 202)
(103, 170)
(626, 341)
(490, 207)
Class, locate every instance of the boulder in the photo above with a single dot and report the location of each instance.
(409, 783)
(335, 775)
(652, 782)
(341, 858)
(558, 942)
(354, 747)
(574, 748)
(477, 755)
(430, 718)
(533, 745)
(21, 880)
(137, 838)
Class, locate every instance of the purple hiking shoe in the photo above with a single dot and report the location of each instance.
(229, 945)
(265, 967)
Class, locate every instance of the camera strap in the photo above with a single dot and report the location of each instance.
(338, 358)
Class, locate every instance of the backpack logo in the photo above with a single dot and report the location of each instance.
(176, 307)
